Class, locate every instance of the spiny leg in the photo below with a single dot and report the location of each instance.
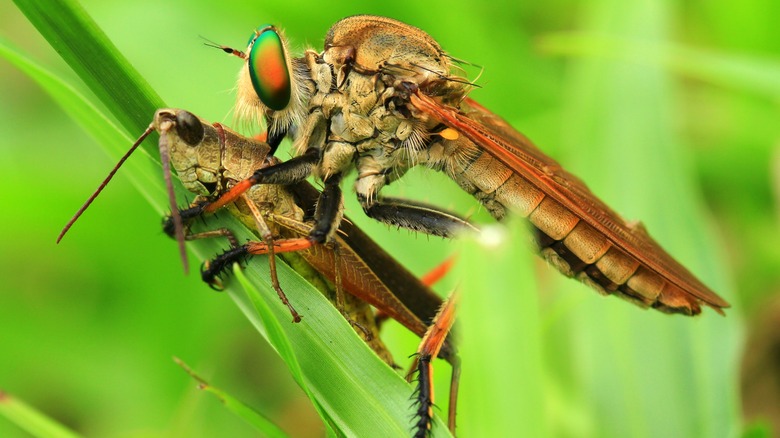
(430, 346)
(210, 271)
(219, 264)
(415, 216)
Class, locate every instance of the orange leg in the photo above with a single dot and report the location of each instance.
(429, 348)
(437, 273)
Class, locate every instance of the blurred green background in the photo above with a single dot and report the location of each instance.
(88, 328)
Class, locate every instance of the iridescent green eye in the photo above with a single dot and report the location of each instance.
(268, 68)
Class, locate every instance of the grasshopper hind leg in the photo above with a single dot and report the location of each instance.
(430, 346)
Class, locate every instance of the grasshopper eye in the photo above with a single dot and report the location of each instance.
(189, 128)
(268, 68)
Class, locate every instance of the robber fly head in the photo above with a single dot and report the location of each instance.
(269, 85)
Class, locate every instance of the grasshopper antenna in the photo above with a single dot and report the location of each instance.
(178, 226)
(105, 182)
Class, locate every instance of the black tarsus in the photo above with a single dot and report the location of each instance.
(423, 398)
(186, 215)
(212, 270)
(328, 209)
(274, 139)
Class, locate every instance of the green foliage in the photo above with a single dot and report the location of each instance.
(246, 413)
(32, 421)
(652, 106)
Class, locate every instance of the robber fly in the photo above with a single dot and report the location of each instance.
(381, 98)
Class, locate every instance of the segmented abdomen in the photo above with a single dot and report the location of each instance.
(575, 248)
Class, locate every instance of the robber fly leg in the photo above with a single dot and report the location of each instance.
(327, 214)
(414, 216)
(285, 173)
(401, 213)
(329, 211)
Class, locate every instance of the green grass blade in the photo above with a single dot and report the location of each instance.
(751, 73)
(273, 330)
(363, 399)
(145, 174)
(88, 51)
(33, 422)
(275, 335)
(500, 326)
(634, 368)
(257, 420)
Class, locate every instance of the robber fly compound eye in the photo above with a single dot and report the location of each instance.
(268, 68)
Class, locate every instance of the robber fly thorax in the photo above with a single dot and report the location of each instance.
(351, 101)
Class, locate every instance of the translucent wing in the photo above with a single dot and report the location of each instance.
(496, 137)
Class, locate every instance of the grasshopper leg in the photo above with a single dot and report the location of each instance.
(428, 350)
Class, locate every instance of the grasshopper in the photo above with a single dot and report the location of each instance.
(210, 158)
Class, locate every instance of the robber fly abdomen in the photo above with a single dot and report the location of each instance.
(566, 241)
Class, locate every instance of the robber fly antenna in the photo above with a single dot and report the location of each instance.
(479, 75)
(178, 226)
(105, 182)
(226, 49)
